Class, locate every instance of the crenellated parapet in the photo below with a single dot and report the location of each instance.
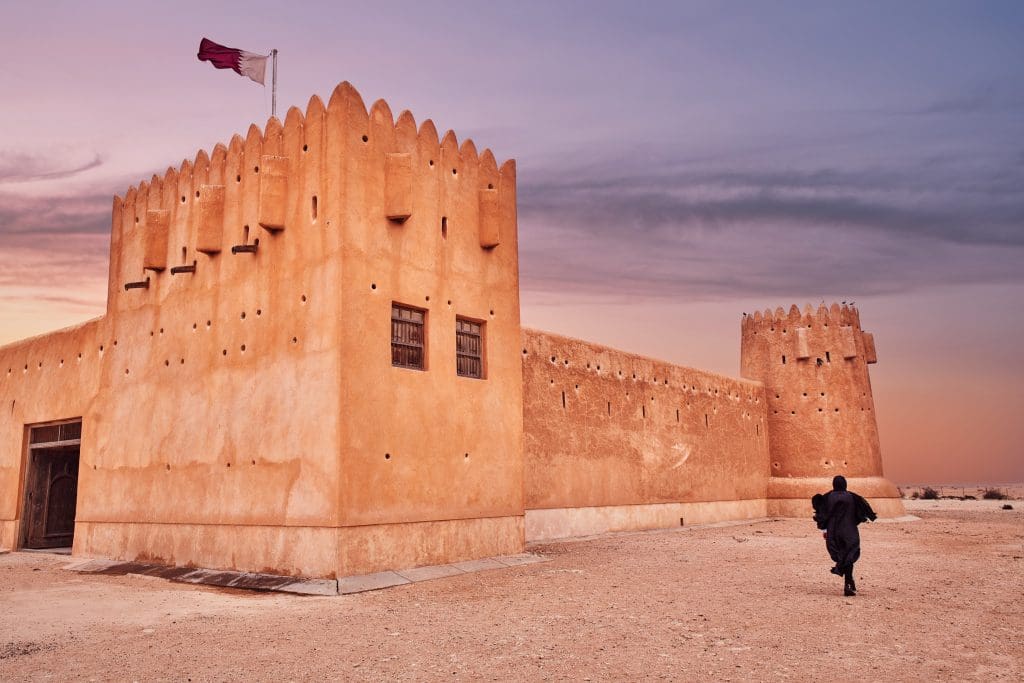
(298, 192)
(838, 328)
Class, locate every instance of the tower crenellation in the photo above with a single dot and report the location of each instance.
(311, 175)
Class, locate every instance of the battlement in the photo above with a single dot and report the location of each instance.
(298, 191)
(801, 335)
(836, 314)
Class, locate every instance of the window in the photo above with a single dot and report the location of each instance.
(469, 348)
(406, 337)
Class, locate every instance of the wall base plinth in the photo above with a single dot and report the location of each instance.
(312, 552)
(554, 523)
(8, 534)
(380, 547)
(791, 496)
(288, 551)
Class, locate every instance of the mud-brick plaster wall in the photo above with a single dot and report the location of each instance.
(431, 467)
(247, 414)
(46, 378)
(821, 413)
(617, 441)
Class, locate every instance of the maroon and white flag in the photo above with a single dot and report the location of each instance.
(241, 62)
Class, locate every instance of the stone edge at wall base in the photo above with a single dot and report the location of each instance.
(555, 523)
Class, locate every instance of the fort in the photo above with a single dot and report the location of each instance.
(311, 363)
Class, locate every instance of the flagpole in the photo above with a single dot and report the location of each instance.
(273, 87)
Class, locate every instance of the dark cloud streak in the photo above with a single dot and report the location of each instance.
(17, 167)
(55, 214)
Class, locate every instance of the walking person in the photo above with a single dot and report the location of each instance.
(838, 513)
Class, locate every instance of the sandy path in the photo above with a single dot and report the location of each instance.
(940, 598)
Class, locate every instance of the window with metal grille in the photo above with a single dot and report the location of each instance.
(406, 337)
(469, 348)
(49, 435)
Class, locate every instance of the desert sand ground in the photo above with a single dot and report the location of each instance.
(940, 598)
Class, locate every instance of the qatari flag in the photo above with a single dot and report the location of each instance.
(241, 62)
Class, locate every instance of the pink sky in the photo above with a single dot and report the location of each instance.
(679, 164)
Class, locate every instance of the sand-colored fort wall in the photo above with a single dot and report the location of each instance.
(240, 407)
(615, 441)
(42, 379)
(247, 414)
(821, 413)
(431, 464)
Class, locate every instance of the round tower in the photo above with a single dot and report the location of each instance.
(820, 412)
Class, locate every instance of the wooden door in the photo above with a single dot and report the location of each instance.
(51, 496)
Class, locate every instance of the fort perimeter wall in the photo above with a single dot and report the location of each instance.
(240, 408)
(615, 441)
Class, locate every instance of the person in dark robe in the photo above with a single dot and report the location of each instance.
(838, 513)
